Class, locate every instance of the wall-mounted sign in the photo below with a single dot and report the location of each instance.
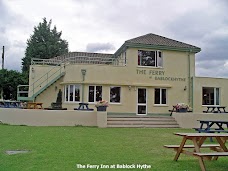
(158, 75)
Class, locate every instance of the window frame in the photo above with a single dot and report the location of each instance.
(156, 57)
(160, 97)
(125, 58)
(67, 92)
(119, 95)
(94, 93)
(216, 99)
(142, 104)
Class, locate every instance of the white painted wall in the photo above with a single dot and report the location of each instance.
(189, 120)
(37, 117)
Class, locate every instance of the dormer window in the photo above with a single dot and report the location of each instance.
(150, 58)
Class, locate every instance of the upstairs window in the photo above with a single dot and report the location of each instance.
(125, 58)
(150, 58)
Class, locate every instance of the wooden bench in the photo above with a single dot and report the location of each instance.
(210, 156)
(213, 147)
(206, 155)
(215, 154)
(34, 105)
(192, 146)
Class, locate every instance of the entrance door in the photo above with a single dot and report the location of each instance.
(142, 102)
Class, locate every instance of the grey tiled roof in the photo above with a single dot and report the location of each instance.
(85, 58)
(153, 39)
(83, 54)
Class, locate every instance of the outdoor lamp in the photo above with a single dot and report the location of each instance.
(129, 87)
(83, 73)
(185, 88)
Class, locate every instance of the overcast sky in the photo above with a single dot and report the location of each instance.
(104, 25)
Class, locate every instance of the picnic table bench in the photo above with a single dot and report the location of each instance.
(10, 104)
(175, 147)
(210, 130)
(198, 140)
(34, 105)
(206, 126)
(83, 106)
(215, 109)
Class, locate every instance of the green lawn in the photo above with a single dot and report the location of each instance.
(62, 148)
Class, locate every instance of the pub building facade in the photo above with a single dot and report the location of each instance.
(146, 75)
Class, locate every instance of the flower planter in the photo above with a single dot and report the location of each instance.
(101, 108)
(182, 110)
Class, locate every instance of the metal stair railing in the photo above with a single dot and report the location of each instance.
(42, 83)
(50, 78)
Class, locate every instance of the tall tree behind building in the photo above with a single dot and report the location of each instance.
(44, 43)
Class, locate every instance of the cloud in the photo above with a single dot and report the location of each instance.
(100, 47)
(215, 45)
(103, 26)
(210, 62)
(13, 30)
(220, 70)
(205, 27)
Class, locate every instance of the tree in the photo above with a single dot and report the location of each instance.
(45, 43)
(9, 80)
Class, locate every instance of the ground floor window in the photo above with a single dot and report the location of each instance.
(72, 93)
(115, 94)
(210, 96)
(95, 93)
(160, 96)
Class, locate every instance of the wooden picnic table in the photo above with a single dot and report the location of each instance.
(198, 140)
(34, 105)
(216, 109)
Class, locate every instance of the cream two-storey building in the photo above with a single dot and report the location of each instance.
(146, 75)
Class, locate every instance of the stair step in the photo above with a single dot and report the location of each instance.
(140, 119)
(143, 126)
(138, 116)
(140, 122)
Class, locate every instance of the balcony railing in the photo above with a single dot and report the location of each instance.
(80, 60)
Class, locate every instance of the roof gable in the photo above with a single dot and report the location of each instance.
(153, 39)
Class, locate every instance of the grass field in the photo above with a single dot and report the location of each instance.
(62, 148)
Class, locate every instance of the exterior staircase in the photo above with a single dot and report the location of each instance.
(141, 122)
(40, 84)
